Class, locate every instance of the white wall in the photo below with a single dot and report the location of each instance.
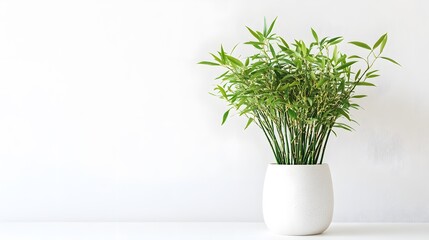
(104, 114)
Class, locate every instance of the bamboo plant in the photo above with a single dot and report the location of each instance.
(298, 93)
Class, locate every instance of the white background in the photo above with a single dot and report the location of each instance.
(104, 113)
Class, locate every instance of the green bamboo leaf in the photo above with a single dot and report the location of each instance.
(209, 63)
(315, 35)
(255, 43)
(282, 48)
(361, 44)
(355, 106)
(357, 74)
(223, 75)
(341, 86)
(284, 42)
(372, 76)
(344, 113)
(343, 126)
(342, 58)
(222, 91)
(234, 61)
(248, 123)
(335, 54)
(355, 56)
(391, 60)
(379, 41)
(222, 54)
(272, 51)
(365, 84)
(334, 40)
(225, 116)
(271, 26)
(321, 82)
(372, 72)
(216, 58)
(291, 113)
(383, 44)
(346, 65)
(257, 36)
(358, 96)
(265, 27)
(233, 49)
(247, 62)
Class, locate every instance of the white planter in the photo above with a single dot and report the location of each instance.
(298, 199)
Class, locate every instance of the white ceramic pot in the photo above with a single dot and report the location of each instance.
(298, 199)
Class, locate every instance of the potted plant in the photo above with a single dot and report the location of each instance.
(298, 94)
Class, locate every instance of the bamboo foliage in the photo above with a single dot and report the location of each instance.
(297, 93)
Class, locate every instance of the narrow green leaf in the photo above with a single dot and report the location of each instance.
(335, 40)
(271, 26)
(291, 113)
(284, 42)
(391, 60)
(321, 82)
(346, 65)
(216, 58)
(234, 61)
(355, 56)
(358, 96)
(255, 43)
(254, 34)
(232, 51)
(248, 123)
(209, 63)
(272, 50)
(365, 84)
(355, 106)
(335, 54)
(222, 54)
(344, 113)
(379, 41)
(341, 86)
(372, 76)
(342, 58)
(383, 44)
(265, 27)
(222, 91)
(315, 35)
(225, 116)
(361, 44)
(283, 48)
(247, 62)
(371, 72)
(343, 126)
(223, 75)
(357, 74)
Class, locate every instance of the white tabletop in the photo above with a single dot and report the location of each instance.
(201, 231)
